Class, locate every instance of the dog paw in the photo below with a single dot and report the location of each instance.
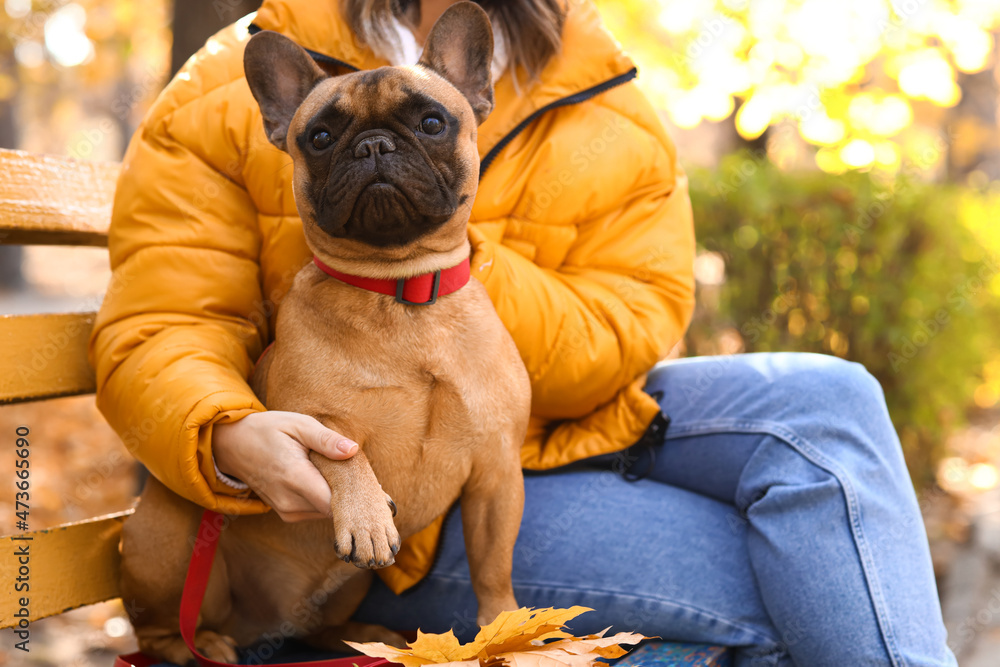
(377, 633)
(364, 533)
(171, 647)
(333, 638)
(490, 608)
(216, 647)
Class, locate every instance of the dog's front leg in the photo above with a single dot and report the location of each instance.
(364, 532)
(492, 504)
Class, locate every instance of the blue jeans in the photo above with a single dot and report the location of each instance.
(778, 518)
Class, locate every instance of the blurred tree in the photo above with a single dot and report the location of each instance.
(899, 275)
(196, 20)
(974, 131)
(86, 71)
(863, 81)
(10, 255)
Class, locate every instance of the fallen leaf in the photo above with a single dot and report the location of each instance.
(548, 658)
(515, 630)
(522, 638)
(428, 649)
(605, 647)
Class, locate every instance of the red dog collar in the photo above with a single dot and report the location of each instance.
(422, 290)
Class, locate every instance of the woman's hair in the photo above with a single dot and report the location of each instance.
(531, 29)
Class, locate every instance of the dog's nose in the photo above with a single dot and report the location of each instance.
(369, 146)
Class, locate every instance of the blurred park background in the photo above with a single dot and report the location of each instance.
(844, 158)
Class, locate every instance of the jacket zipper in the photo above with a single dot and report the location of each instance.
(253, 29)
(575, 98)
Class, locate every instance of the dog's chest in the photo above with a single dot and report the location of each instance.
(420, 383)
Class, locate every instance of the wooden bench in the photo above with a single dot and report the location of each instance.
(54, 201)
(58, 201)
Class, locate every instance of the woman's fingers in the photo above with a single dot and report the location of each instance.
(292, 510)
(297, 489)
(305, 496)
(321, 439)
(270, 452)
(315, 490)
(302, 516)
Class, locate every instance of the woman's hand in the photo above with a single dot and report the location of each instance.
(269, 451)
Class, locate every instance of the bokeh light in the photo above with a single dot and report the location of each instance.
(852, 75)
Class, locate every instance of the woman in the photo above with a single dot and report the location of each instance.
(776, 515)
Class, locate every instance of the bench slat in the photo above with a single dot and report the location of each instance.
(43, 356)
(69, 566)
(55, 200)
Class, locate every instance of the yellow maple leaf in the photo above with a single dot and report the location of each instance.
(516, 630)
(605, 647)
(572, 652)
(522, 638)
(428, 649)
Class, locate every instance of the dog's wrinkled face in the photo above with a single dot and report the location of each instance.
(385, 156)
(385, 161)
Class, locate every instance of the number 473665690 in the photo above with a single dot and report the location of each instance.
(21, 507)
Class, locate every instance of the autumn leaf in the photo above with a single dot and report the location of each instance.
(605, 647)
(522, 638)
(515, 630)
(428, 649)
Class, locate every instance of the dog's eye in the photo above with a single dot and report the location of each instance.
(321, 139)
(432, 125)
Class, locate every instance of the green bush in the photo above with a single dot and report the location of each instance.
(896, 275)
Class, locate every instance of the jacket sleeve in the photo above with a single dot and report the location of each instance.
(623, 295)
(183, 319)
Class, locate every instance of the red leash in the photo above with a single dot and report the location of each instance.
(212, 524)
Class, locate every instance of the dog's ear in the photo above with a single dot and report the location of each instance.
(281, 75)
(460, 48)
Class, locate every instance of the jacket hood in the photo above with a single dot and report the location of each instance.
(590, 61)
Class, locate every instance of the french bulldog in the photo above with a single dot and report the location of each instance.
(433, 389)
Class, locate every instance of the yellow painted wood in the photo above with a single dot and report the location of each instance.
(42, 356)
(52, 200)
(55, 200)
(68, 567)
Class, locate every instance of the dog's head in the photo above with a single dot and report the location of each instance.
(381, 157)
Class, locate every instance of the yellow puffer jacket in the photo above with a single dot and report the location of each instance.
(581, 233)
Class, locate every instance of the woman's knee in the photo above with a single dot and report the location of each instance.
(824, 399)
(812, 397)
(765, 385)
(823, 379)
